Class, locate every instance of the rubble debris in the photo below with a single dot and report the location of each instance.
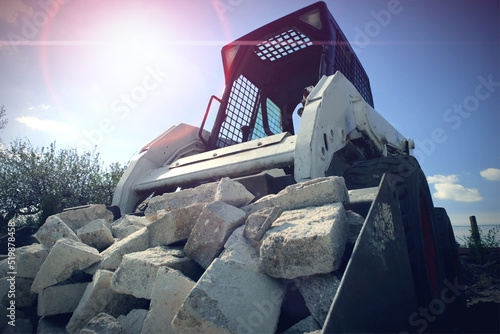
(53, 230)
(96, 234)
(76, 218)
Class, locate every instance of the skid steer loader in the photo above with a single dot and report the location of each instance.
(403, 271)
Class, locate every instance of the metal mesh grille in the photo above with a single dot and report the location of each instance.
(240, 106)
(348, 64)
(282, 45)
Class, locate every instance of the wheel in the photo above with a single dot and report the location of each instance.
(417, 211)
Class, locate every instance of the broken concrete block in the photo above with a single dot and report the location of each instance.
(175, 225)
(304, 326)
(355, 222)
(96, 234)
(231, 297)
(51, 325)
(53, 230)
(169, 291)
(316, 192)
(259, 222)
(180, 199)
(318, 292)
(22, 326)
(65, 257)
(136, 242)
(305, 242)
(102, 323)
(212, 229)
(60, 299)
(29, 259)
(137, 272)
(133, 321)
(99, 297)
(128, 224)
(77, 217)
(233, 193)
(17, 289)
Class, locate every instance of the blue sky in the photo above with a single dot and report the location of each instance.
(116, 74)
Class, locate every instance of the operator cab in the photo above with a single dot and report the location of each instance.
(267, 70)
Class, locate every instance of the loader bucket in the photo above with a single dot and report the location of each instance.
(376, 293)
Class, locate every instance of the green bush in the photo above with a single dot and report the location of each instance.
(39, 182)
(479, 246)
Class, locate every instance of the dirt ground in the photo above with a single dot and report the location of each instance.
(482, 291)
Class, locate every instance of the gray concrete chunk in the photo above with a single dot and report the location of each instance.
(259, 222)
(318, 292)
(233, 295)
(137, 272)
(180, 199)
(60, 299)
(102, 324)
(64, 258)
(132, 322)
(175, 225)
(233, 193)
(53, 230)
(128, 224)
(136, 242)
(29, 259)
(212, 229)
(305, 242)
(169, 291)
(96, 234)
(77, 217)
(99, 297)
(316, 192)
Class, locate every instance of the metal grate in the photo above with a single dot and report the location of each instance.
(282, 45)
(242, 102)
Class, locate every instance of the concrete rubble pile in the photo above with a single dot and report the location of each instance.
(211, 259)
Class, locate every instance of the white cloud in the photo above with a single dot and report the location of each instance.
(45, 124)
(447, 187)
(40, 107)
(456, 192)
(443, 179)
(491, 174)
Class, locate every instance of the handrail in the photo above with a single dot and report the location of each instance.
(205, 119)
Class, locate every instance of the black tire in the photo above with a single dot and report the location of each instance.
(417, 211)
(457, 308)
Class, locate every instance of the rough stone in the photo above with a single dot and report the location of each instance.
(102, 324)
(77, 217)
(60, 299)
(64, 258)
(136, 242)
(259, 222)
(18, 289)
(23, 326)
(180, 199)
(315, 192)
(29, 259)
(212, 229)
(175, 225)
(232, 296)
(355, 222)
(304, 326)
(51, 325)
(132, 322)
(53, 230)
(99, 297)
(128, 224)
(318, 292)
(169, 291)
(305, 242)
(233, 193)
(96, 234)
(137, 273)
